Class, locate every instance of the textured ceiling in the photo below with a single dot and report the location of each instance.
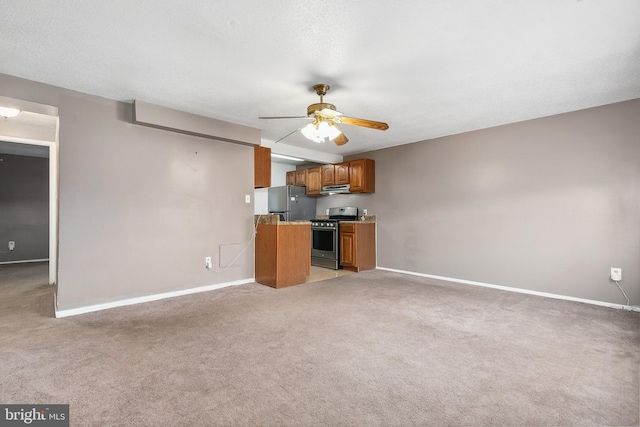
(428, 68)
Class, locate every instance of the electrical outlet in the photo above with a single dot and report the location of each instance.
(12, 245)
(616, 274)
(364, 211)
(207, 263)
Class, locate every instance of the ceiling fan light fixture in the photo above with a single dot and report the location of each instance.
(310, 132)
(323, 128)
(8, 112)
(320, 131)
(325, 116)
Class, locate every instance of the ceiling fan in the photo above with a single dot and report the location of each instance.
(325, 117)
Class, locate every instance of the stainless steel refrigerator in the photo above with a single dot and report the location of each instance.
(292, 203)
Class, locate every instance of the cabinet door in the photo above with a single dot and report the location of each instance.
(327, 174)
(362, 176)
(291, 178)
(314, 181)
(301, 177)
(347, 249)
(261, 167)
(357, 175)
(341, 173)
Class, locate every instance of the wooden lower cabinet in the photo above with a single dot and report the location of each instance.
(347, 249)
(283, 254)
(358, 245)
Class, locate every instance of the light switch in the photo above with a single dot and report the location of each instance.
(247, 198)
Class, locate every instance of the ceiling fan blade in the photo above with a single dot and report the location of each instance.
(341, 139)
(289, 134)
(362, 122)
(286, 117)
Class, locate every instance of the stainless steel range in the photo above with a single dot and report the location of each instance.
(325, 237)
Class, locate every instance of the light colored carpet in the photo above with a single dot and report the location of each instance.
(368, 349)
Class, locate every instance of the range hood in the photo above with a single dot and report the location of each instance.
(336, 189)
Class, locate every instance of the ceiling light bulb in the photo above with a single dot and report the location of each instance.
(309, 131)
(322, 133)
(8, 112)
(312, 132)
(323, 128)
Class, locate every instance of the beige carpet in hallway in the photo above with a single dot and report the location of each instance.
(368, 349)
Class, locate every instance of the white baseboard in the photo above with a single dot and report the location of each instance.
(23, 261)
(519, 290)
(148, 298)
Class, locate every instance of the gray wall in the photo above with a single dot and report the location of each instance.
(24, 207)
(140, 208)
(547, 205)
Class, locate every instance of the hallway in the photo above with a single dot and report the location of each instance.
(24, 294)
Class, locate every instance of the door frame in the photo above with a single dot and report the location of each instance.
(53, 195)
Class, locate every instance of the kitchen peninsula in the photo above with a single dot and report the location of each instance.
(282, 251)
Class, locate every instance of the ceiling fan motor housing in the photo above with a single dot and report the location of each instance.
(313, 108)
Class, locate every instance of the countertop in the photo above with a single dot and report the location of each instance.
(269, 219)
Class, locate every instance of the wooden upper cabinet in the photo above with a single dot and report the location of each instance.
(327, 174)
(314, 181)
(291, 178)
(261, 167)
(301, 177)
(341, 174)
(297, 177)
(362, 176)
(359, 174)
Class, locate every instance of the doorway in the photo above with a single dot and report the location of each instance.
(35, 129)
